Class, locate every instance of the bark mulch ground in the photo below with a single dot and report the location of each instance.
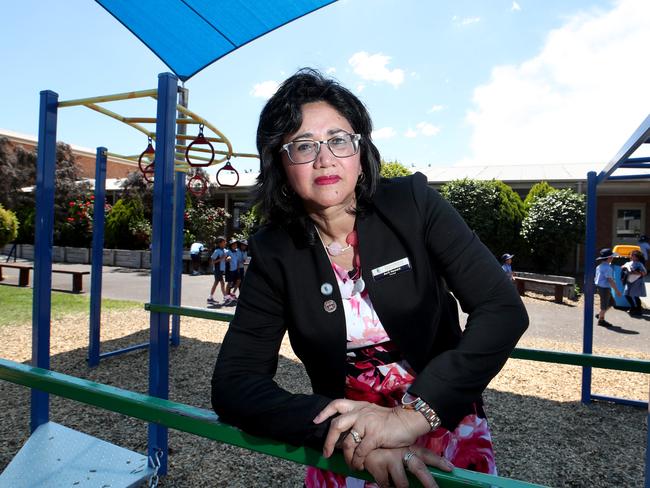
(542, 433)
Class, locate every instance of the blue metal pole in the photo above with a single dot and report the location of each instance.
(97, 258)
(44, 226)
(590, 252)
(161, 255)
(179, 218)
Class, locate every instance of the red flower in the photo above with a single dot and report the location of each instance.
(70, 219)
(71, 204)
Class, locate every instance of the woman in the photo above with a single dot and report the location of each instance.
(356, 269)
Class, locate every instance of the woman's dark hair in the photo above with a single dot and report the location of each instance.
(282, 115)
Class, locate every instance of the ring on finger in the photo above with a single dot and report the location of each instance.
(407, 457)
(356, 436)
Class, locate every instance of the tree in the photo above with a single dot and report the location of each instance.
(135, 187)
(17, 171)
(8, 226)
(248, 221)
(554, 225)
(538, 190)
(392, 169)
(490, 208)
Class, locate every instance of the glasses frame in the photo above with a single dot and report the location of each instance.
(353, 138)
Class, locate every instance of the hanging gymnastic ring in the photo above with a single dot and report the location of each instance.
(200, 140)
(149, 151)
(203, 188)
(228, 167)
(148, 170)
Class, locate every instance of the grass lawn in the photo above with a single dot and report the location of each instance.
(17, 304)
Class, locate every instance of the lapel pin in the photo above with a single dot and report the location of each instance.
(326, 289)
(329, 306)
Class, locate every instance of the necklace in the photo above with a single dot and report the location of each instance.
(355, 284)
(336, 249)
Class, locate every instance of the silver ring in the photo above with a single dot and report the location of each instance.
(356, 436)
(407, 457)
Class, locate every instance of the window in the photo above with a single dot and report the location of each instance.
(628, 223)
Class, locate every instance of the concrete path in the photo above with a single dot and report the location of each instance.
(548, 320)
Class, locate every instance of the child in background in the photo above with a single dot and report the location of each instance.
(506, 265)
(604, 281)
(243, 254)
(219, 260)
(232, 273)
(634, 283)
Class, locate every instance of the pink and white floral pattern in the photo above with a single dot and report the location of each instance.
(377, 373)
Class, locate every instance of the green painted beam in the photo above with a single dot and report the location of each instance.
(200, 313)
(577, 359)
(205, 423)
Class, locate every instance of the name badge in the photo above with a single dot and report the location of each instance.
(391, 269)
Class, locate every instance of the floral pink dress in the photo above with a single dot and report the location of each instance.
(377, 373)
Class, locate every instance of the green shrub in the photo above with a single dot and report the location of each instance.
(490, 208)
(119, 222)
(538, 190)
(392, 169)
(554, 225)
(27, 218)
(8, 226)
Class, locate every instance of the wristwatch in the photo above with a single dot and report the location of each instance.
(410, 402)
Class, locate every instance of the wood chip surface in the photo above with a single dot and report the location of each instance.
(542, 433)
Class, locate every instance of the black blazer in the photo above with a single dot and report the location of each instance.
(282, 292)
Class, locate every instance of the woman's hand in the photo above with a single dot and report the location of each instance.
(386, 465)
(370, 427)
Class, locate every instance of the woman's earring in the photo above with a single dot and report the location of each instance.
(361, 178)
(285, 191)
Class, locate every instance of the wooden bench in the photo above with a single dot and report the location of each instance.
(77, 278)
(558, 286)
(23, 272)
(23, 275)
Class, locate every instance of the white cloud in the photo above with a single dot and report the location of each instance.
(427, 129)
(373, 67)
(331, 70)
(383, 133)
(465, 20)
(515, 7)
(422, 129)
(578, 100)
(361, 87)
(436, 108)
(265, 89)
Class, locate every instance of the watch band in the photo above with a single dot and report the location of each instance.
(423, 407)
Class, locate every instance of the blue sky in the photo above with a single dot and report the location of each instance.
(447, 83)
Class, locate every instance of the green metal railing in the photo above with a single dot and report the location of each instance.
(572, 358)
(205, 423)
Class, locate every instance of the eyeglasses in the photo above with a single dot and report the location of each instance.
(305, 151)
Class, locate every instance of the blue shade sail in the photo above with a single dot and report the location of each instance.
(188, 35)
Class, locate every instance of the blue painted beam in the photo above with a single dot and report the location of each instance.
(97, 258)
(161, 256)
(44, 226)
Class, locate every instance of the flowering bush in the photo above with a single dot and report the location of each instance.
(77, 230)
(205, 223)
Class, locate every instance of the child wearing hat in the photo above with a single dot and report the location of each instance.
(604, 281)
(506, 265)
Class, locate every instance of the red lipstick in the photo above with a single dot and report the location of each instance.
(327, 180)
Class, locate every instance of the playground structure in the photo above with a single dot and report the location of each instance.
(169, 188)
(624, 159)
